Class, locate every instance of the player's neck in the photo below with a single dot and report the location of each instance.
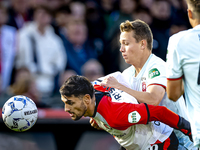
(91, 109)
(196, 23)
(140, 65)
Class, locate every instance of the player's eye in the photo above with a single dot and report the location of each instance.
(69, 102)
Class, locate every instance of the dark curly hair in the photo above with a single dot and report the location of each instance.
(77, 86)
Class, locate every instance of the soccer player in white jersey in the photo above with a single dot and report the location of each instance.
(134, 126)
(183, 68)
(147, 75)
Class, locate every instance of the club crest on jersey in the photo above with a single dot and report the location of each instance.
(143, 86)
(134, 117)
(153, 73)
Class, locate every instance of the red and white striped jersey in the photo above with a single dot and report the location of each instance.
(117, 114)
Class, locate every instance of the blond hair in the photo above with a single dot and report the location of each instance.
(141, 31)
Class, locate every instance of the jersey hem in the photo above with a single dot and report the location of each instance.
(175, 78)
(157, 84)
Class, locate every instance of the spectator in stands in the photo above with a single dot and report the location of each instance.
(78, 47)
(143, 14)
(65, 75)
(25, 85)
(62, 17)
(55, 4)
(78, 10)
(96, 25)
(18, 13)
(34, 4)
(161, 12)
(107, 9)
(180, 14)
(42, 51)
(126, 7)
(146, 4)
(177, 27)
(7, 50)
(92, 69)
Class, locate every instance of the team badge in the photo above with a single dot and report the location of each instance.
(153, 73)
(134, 117)
(143, 86)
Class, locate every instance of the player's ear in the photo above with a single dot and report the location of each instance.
(143, 44)
(190, 14)
(87, 99)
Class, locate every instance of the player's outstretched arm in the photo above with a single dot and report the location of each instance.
(163, 114)
(121, 115)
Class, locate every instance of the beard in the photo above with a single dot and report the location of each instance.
(79, 116)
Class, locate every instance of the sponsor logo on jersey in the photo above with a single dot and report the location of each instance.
(134, 117)
(153, 73)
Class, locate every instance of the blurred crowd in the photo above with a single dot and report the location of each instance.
(43, 42)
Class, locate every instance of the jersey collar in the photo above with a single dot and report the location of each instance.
(98, 97)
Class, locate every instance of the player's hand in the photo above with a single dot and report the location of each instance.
(94, 124)
(110, 81)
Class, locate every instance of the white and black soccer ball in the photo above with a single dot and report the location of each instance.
(19, 113)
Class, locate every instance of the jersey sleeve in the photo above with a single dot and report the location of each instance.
(174, 70)
(156, 74)
(122, 115)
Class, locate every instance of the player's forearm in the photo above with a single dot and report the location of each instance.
(142, 97)
(163, 114)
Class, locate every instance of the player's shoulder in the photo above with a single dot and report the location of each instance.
(182, 37)
(176, 38)
(155, 62)
(155, 68)
(191, 37)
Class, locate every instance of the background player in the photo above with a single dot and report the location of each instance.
(183, 61)
(116, 112)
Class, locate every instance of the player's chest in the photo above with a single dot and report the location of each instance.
(102, 123)
(139, 83)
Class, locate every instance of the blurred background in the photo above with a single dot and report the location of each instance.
(43, 42)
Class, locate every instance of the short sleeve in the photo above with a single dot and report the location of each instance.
(157, 75)
(173, 69)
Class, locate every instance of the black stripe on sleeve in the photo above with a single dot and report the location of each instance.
(148, 113)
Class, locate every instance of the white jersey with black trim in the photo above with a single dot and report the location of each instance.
(135, 137)
(183, 61)
(154, 73)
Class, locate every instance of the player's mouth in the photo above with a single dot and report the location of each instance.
(124, 56)
(71, 114)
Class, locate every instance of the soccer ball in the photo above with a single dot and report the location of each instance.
(19, 113)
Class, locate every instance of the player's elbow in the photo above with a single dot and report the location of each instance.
(173, 97)
(156, 103)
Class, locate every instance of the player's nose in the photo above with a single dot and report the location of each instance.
(122, 48)
(67, 109)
